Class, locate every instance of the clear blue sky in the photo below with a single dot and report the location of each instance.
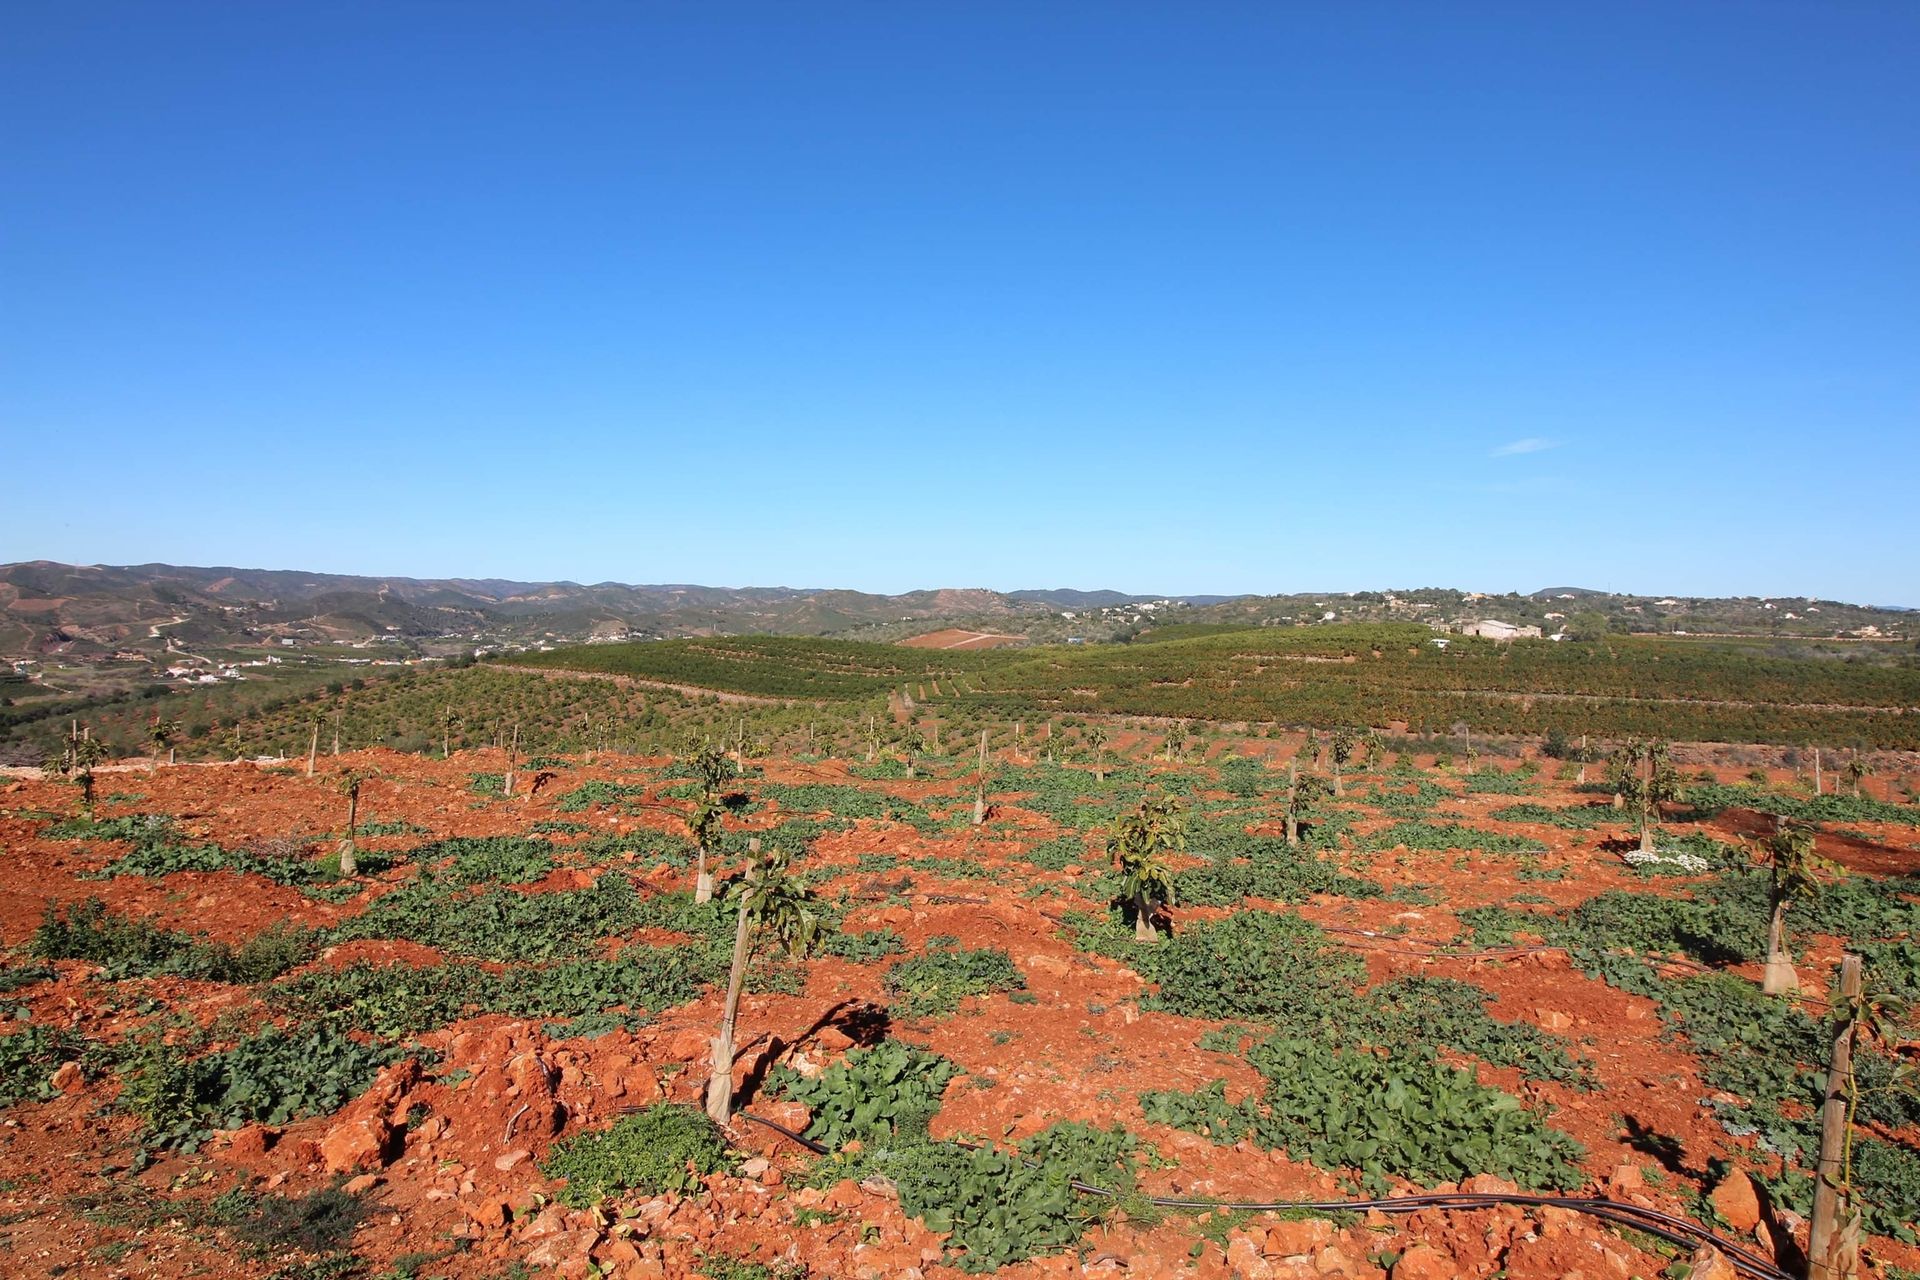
(1170, 297)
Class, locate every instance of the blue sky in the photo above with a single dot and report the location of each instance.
(1158, 297)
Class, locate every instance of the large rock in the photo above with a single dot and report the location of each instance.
(1295, 1238)
(1424, 1262)
(1737, 1201)
(358, 1145)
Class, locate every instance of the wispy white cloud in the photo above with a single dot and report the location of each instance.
(1532, 444)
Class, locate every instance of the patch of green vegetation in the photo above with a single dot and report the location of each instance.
(861, 948)
(1058, 853)
(883, 1096)
(139, 948)
(934, 982)
(882, 769)
(29, 1058)
(1245, 865)
(273, 1077)
(291, 867)
(481, 859)
(139, 828)
(1427, 837)
(1415, 798)
(15, 976)
(819, 797)
(1408, 1115)
(1571, 818)
(722, 1266)
(397, 1000)
(390, 827)
(1711, 798)
(497, 923)
(666, 1147)
(1497, 925)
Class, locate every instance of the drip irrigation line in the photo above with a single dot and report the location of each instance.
(1669, 1227)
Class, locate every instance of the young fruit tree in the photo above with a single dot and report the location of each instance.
(704, 826)
(1340, 747)
(349, 784)
(1376, 750)
(76, 759)
(715, 769)
(160, 735)
(1139, 844)
(773, 907)
(1096, 738)
(1643, 776)
(1304, 790)
(1793, 876)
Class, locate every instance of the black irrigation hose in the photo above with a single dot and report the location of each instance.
(1664, 1226)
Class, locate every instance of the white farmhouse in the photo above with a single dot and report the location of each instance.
(1494, 629)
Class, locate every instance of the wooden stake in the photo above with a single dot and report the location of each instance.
(980, 794)
(1833, 1249)
(513, 754)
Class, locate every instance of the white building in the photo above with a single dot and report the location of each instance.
(1494, 629)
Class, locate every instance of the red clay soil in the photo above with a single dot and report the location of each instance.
(450, 1157)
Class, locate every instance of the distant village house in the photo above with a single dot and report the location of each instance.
(1494, 629)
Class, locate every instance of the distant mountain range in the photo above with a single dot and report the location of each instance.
(95, 611)
(47, 607)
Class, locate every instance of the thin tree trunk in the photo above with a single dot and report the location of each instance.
(513, 755)
(702, 878)
(1143, 930)
(336, 732)
(720, 1085)
(1816, 771)
(349, 859)
(1779, 977)
(313, 747)
(980, 792)
(1293, 786)
(1336, 778)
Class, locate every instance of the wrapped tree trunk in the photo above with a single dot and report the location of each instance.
(980, 789)
(1779, 978)
(720, 1085)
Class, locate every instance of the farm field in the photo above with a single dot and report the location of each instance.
(1362, 674)
(956, 638)
(484, 1053)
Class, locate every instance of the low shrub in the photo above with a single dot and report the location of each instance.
(938, 979)
(666, 1147)
(139, 948)
(883, 1096)
(29, 1058)
(1408, 1115)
